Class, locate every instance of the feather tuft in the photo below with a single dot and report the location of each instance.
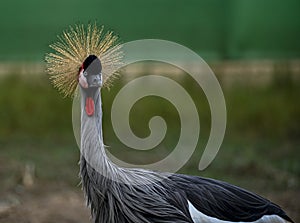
(73, 47)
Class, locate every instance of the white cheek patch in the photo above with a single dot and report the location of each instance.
(82, 80)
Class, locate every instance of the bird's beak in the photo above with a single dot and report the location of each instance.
(96, 81)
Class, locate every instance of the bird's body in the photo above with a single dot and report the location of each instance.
(124, 195)
(179, 198)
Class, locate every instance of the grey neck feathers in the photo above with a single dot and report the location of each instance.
(93, 150)
(115, 194)
(92, 146)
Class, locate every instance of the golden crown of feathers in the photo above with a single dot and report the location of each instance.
(73, 47)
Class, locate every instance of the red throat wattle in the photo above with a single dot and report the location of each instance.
(89, 106)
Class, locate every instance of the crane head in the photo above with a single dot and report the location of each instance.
(90, 80)
(82, 45)
(90, 75)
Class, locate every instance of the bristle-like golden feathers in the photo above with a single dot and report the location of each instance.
(73, 47)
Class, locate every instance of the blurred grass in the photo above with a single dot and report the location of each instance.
(261, 146)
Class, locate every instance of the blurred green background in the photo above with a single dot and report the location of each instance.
(252, 46)
(215, 29)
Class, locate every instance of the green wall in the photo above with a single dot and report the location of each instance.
(216, 29)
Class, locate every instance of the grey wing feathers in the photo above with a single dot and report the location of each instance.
(225, 201)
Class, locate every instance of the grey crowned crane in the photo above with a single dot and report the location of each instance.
(125, 195)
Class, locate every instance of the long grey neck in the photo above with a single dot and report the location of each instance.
(92, 146)
(94, 155)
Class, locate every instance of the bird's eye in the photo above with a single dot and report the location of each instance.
(85, 73)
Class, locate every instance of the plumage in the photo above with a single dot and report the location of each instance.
(126, 195)
(224, 201)
(73, 47)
